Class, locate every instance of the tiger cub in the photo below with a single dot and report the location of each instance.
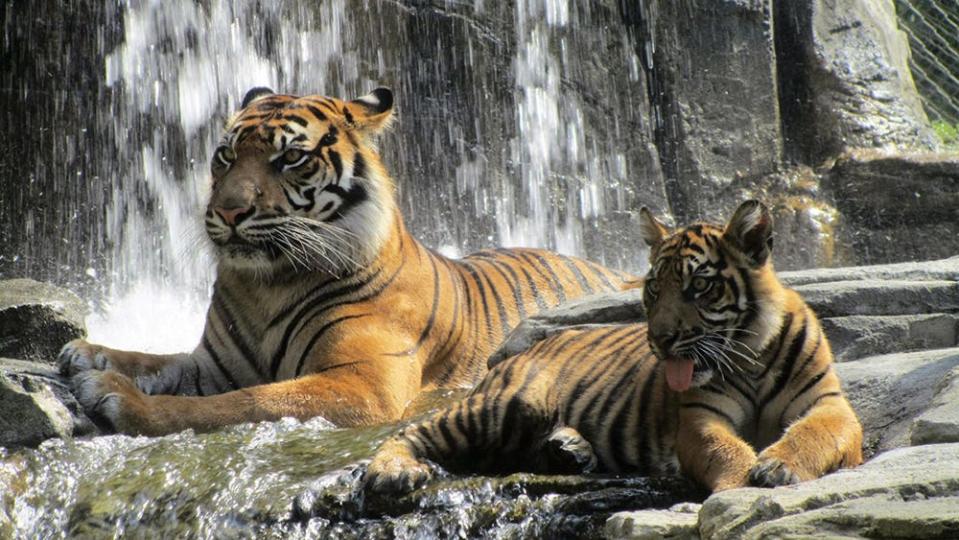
(731, 382)
(324, 304)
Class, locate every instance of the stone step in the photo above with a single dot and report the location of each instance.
(940, 270)
(858, 336)
(881, 297)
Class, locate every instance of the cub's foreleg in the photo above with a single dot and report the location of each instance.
(825, 436)
(711, 452)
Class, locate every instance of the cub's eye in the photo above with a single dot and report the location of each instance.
(652, 286)
(292, 158)
(292, 155)
(224, 156)
(701, 284)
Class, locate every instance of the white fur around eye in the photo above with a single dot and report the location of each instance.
(326, 204)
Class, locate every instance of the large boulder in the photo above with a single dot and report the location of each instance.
(36, 319)
(846, 82)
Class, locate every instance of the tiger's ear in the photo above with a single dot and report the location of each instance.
(750, 230)
(254, 94)
(371, 113)
(652, 231)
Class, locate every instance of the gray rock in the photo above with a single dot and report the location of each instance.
(716, 90)
(859, 336)
(36, 405)
(678, 523)
(938, 270)
(889, 202)
(846, 79)
(887, 297)
(904, 493)
(940, 422)
(36, 319)
(597, 309)
(889, 392)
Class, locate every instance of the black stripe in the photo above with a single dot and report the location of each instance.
(218, 363)
(511, 281)
(359, 166)
(429, 321)
(710, 408)
(645, 413)
(816, 402)
(337, 163)
(317, 335)
(583, 282)
(808, 386)
(554, 281)
(795, 349)
(231, 324)
(783, 334)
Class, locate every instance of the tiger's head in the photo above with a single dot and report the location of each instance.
(711, 296)
(298, 184)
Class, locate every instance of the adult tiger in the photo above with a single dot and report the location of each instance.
(742, 366)
(323, 303)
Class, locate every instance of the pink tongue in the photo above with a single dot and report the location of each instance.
(679, 374)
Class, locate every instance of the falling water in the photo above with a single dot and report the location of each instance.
(181, 67)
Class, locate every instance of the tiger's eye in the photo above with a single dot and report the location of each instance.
(292, 155)
(652, 286)
(700, 284)
(229, 154)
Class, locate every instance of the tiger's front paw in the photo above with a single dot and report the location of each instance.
(772, 472)
(112, 400)
(79, 356)
(395, 473)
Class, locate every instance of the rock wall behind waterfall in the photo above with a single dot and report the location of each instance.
(536, 122)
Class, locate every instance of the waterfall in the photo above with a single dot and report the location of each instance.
(511, 131)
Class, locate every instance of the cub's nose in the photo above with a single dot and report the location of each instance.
(233, 216)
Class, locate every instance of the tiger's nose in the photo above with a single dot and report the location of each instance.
(233, 216)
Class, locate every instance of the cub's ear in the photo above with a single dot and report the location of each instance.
(254, 94)
(371, 113)
(750, 230)
(652, 231)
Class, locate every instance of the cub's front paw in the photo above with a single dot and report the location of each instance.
(391, 473)
(79, 356)
(772, 472)
(112, 399)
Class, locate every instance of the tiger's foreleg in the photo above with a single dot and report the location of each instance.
(711, 452)
(826, 438)
(78, 356)
(357, 394)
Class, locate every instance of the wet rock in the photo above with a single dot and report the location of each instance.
(892, 391)
(37, 405)
(522, 504)
(36, 319)
(677, 523)
(714, 73)
(888, 202)
(846, 80)
(904, 493)
(940, 422)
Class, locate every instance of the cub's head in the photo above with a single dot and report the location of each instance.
(298, 184)
(711, 296)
